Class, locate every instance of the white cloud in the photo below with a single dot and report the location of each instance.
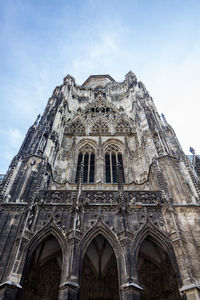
(98, 55)
(176, 92)
(165, 59)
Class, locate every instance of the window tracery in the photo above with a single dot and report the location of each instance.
(113, 156)
(76, 127)
(123, 127)
(87, 157)
(100, 127)
(100, 108)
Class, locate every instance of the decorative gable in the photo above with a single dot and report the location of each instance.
(123, 126)
(100, 107)
(100, 127)
(100, 117)
(75, 127)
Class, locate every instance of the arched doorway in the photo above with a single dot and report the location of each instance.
(42, 278)
(99, 276)
(156, 274)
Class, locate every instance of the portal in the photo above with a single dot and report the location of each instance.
(99, 277)
(156, 274)
(42, 279)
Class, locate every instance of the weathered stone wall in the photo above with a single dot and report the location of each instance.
(158, 203)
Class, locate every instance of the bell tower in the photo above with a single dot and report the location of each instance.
(100, 203)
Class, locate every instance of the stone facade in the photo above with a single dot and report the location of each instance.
(100, 202)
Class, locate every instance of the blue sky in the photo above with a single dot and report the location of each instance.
(43, 41)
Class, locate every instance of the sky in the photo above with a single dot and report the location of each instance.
(41, 41)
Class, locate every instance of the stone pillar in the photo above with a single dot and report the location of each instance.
(69, 290)
(69, 287)
(192, 292)
(130, 291)
(9, 290)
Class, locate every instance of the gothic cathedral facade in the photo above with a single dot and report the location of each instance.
(100, 203)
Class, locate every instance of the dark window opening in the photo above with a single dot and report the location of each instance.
(108, 177)
(111, 161)
(114, 168)
(92, 163)
(88, 160)
(85, 168)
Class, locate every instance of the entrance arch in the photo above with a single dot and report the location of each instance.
(99, 276)
(43, 274)
(155, 272)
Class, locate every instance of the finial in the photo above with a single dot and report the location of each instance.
(192, 150)
(164, 120)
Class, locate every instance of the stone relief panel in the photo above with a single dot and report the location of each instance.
(112, 147)
(101, 197)
(87, 147)
(75, 127)
(100, 107)
(100, 127)
(123, 127)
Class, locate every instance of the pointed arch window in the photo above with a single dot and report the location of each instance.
(113, 156)
(87, 157)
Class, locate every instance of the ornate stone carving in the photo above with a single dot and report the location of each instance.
(87, 148)
(109, 127)
(100, 127)
(101, 197)
(158, 144)
(123, 127)
(75, 127)
(100, 107)
(51, 196)
(112, 148)
(82, 99)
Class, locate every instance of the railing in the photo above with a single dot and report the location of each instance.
(100, 197)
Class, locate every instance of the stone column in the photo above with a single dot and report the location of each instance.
(192, 292)
(69, 287)
(9, 290)
(69, 290)
(130, 291)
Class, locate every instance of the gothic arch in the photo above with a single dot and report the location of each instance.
(85, 141)
(99, 274)
(113, 152)
(156, 264)
(109, 141)
(99, 228)
(86, 155)
(149, 230)
(50, 229)
(45, 254)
